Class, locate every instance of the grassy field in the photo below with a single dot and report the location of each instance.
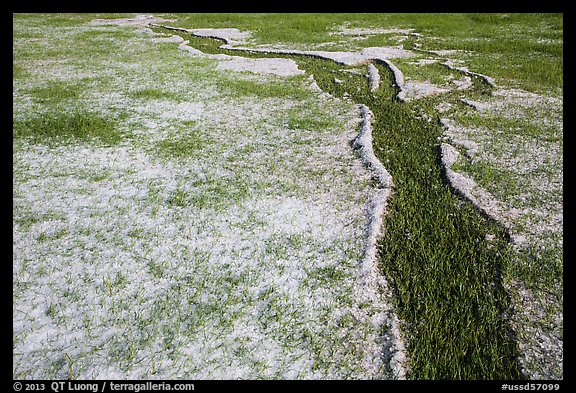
(479, 294)
(162, 229)
(522, 121)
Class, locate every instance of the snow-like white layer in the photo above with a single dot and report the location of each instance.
(347, 58)
(241, 260)
(382, 54)
(121, 265)
(278, 66)
(281, 67)
(374, 77)
(394, 345)
(139, 20)
(413, 90)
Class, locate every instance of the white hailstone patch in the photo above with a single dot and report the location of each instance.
(232, 36)
(464, 83)
(194, 243)
(345, 30)
(414, 89)
(374, 77)
(172, 39)
(424, 61)
(170, 110)
(279, 66)
(241, 260)
(443, 107)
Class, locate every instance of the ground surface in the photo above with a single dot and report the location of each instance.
(195, 244)
(160, 217)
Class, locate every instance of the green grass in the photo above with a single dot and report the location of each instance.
(508, 47)
(187, 146)
(153, 94)
(298, 120)
(446, 275)
(235, 88)
(55, 126)
(485, 174)
(190, 143)
(56, 92)
(436, 73)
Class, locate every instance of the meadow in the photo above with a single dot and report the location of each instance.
(174, 220)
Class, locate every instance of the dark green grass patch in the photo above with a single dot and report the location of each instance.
(56, 126)
(19, 72)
